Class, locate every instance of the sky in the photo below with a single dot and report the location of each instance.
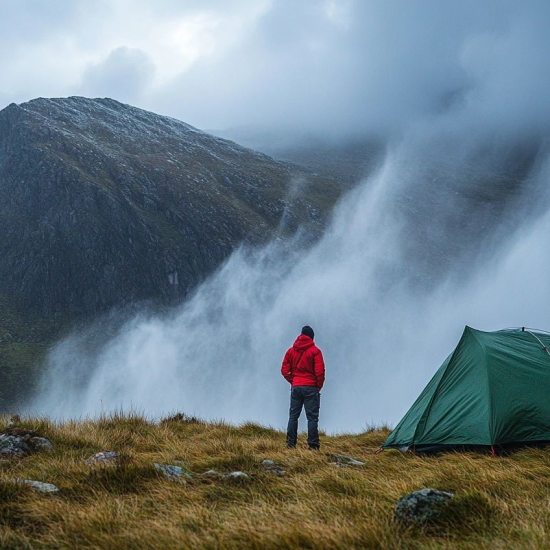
(459, 88)
(332, 67)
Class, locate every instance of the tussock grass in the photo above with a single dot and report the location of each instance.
(500, 503)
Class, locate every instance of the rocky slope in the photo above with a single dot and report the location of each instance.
(103, 204)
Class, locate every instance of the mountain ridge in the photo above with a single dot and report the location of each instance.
(109, 206)
(85, 172)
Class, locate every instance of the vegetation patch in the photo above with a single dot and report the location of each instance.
(497, 503)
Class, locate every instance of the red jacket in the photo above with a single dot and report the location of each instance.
(303, 363)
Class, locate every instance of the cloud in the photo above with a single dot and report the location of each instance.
(449, 231)
(382, 333)
(385, 67)
(126, 74)
(318, 66)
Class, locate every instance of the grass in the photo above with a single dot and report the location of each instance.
(499, 502)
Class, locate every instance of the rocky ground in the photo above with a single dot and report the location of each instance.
(123, 482)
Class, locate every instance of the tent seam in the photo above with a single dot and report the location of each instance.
(483, 349)
(428, 408)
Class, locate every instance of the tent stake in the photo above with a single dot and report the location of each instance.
(493, 452)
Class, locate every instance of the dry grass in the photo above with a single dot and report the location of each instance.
(499, 503)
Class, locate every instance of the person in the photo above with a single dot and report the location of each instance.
(303, 366)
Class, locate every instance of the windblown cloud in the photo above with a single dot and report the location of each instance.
(449, 230)
(386, 305)
(313, 66)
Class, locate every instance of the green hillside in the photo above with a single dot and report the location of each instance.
(25, 338)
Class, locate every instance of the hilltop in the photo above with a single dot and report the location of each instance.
(499, 502)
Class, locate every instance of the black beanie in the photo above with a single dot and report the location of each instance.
(308, 331)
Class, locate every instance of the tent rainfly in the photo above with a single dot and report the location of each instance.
(493, 390)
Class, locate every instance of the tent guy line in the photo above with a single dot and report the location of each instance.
(545, 348)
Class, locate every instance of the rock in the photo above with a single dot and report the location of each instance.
(344, 460)
(422, 506)
(91, 189)
(212, 473)
(40, 444)
(237, 475)
(103, 458)
(23, 443)
(184, 469)
(14, 419)
(272, 468)
(37, 485)
(13, 446)
(172, 472)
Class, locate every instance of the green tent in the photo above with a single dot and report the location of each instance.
(493, 390)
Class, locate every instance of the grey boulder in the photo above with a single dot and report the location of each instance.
(103, 458)
(13, 446)
(344, 460)
(172, 472)
(23, 445)
(40, 444)
(237, 476)
(272, 468)
(37, 485)
(212, 473)
(422, 506)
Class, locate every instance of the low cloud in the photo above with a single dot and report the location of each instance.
(388, 292)
(126, 74)
(320, 67)
(449, 231)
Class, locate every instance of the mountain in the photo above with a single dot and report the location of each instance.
(104, 204)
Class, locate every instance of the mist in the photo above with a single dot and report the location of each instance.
(448, 230)
(330, 68)
(386, 307)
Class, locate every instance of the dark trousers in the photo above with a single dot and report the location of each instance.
(308, 397)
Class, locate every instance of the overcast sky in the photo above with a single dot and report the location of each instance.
(317, 65)
(459, 82)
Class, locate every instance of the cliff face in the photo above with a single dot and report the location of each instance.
(103, 203)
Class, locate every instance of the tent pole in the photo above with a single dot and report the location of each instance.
(544, 348)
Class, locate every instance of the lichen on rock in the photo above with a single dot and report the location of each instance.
(421, 507)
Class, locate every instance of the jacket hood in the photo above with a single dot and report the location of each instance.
(302, 343)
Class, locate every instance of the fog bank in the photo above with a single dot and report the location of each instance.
(387, 290)
(448, 231)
